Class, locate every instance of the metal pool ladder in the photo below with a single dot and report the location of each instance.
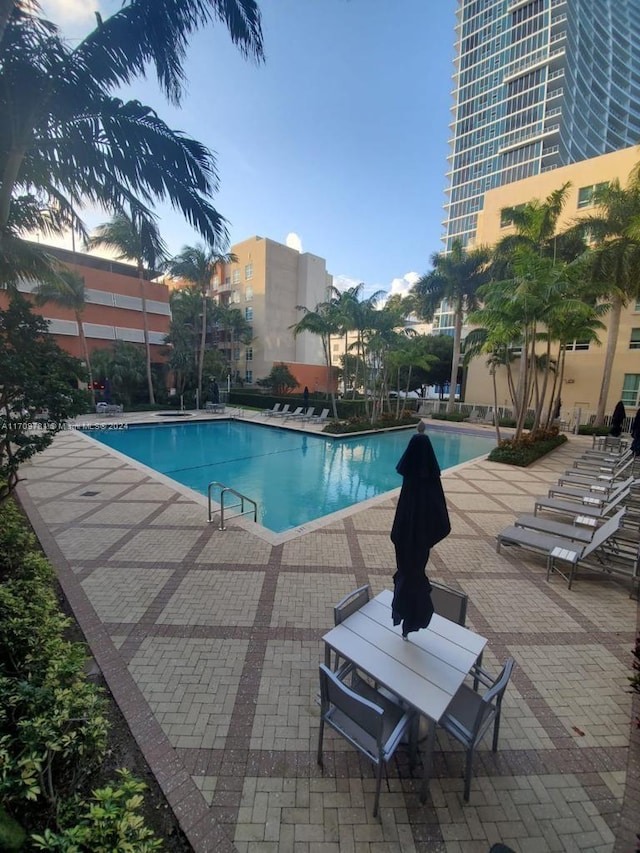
(227, 490)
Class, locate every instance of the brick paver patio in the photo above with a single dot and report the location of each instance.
(210, 643)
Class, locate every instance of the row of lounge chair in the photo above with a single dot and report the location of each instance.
(590, 520)
(307, 415)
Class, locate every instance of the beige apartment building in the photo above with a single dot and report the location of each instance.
(267, 283)
(584, 363)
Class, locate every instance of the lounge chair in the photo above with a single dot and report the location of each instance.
(574, 476)
(605, 464)
(295, 414)
(609, 443)
(283, 411)
(304, 415)
(606, 553)
(266, 413)
(575, 532)
(109, 409)
(558, 547)
(591, 506)
(577, 491)
(321, 418)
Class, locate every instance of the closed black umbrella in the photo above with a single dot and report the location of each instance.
(635, 432)
(617, 419)
(421, 520)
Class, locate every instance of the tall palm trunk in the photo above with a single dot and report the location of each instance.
(85, 352)
(612, 340)
(203, 343)
(455, 361)
(145, 331)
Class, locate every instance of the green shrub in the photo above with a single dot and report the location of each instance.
(589, 429)
(456, 417)
(527, 448)
(359, 424)
(12, 835)
(53, 725)
(109, 822)
(15, 538)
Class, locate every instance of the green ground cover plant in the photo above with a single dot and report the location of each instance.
(361, 424)
(528, 448)
(53, 724)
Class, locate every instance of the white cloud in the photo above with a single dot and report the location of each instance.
(403, 285)
(293, 241)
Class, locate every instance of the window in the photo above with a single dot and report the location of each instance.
(216, 280)
(248, 376)
(574, 346)
(634, 343)
(227, 280)
(235, 296)
(585, 194)
(637, 308)
(235, 276)
(236, 353)
(248, 294)
(505, 217)
(248, 271)
(248, 313)
(631, 390)
(336, 347)
(248, 354)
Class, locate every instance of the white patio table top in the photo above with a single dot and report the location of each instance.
(426, 671)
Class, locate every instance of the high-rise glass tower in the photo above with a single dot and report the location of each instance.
(538, 84)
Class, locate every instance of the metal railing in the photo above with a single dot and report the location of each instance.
(227, 490)
(572, 417)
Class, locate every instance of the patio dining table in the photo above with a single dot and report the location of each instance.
(425, 672)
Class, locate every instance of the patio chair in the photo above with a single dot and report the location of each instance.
(470, 715)
(308, 414)
(452, 604)
(370, 721)
(349, 604)
(272, 411)
(449, 602)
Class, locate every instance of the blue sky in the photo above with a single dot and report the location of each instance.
(339, 137)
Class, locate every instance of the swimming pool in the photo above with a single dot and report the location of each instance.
(294, 477)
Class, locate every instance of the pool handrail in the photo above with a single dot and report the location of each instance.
(228, 490)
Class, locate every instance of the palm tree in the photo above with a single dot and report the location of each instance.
(536, 224)
(323, 322)
(351, 310)
(134, 239)
(454, 278)
(615, 261)
(68, 291)
(65, 138)
(197, 265)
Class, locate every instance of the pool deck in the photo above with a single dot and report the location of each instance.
(210, 643)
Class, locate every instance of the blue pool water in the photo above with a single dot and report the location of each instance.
(294, 477)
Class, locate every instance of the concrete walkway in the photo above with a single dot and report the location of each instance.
(210, 643)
